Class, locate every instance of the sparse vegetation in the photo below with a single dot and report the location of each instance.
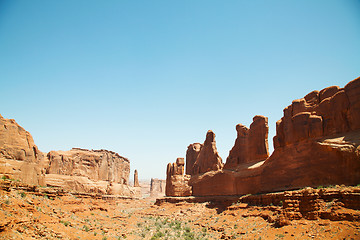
(81, 218)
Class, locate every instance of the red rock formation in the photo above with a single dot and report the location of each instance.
(208, 158)
(93, 164)
(192, 154)
(136, 179)
(251, 145)
(20, 158)
(80, 170)
(316, 143)
(90, 170)
(176, 182)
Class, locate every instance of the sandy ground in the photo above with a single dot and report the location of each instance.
(27, 216)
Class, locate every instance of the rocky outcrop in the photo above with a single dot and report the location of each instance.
(208, 158)
(20, 158)
(200, 158)
(192, 154)
(87, 170)
(316, 143)
(90, 171)
(176, 181)
(157, 187)
(136, 179)
(93, 164)
(251, 145)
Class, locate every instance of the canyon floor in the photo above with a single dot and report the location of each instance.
(29, 214)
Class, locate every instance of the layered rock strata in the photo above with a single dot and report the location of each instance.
(91, 171)
(88, 170)
(20, 158)
(176, 181)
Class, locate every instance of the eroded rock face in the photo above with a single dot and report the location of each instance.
(98, 171)
(176, 182)
(251, 145)
(20, 158)
(331, 111)
(192, 154)
(208, 158)
(317, 143)
(91, 170)
(96, 165)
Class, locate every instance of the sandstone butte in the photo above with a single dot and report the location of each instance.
(80, 170)
(316, 144)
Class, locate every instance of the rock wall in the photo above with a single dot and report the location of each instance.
(87, 170)
(20, 158)
(176, 181)
(316, 143)
(92, 171)
(96, 165)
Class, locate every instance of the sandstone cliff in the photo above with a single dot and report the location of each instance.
(316, 143)
(20, 158)
(87, 170)
(82, 170)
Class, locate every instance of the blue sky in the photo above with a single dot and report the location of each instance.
(147, 78)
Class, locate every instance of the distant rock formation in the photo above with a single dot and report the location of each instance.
(157, 187)
(20, 158)
(176, 181)
(316, 144)
(98, 171)
(136, 179)
(208, 158)
(95, 168)
(251, 145)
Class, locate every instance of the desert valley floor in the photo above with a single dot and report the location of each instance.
(47, 213)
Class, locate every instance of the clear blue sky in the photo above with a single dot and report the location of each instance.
(147, 78)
